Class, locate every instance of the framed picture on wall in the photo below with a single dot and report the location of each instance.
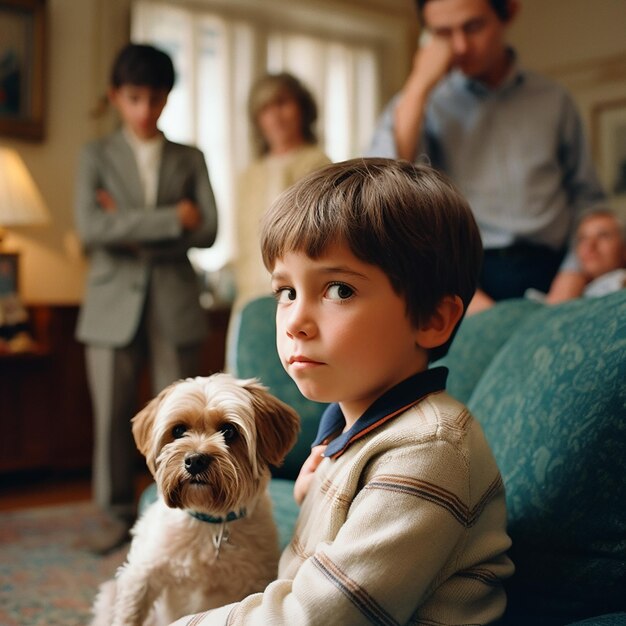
(22, 56)
(8, 274)
(609, 144)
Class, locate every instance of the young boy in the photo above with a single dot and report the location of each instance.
(373, 262)
(141, 203)
(600, 244)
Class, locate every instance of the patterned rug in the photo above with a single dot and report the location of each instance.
(45, 580)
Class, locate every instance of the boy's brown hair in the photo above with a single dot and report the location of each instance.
(407, 219)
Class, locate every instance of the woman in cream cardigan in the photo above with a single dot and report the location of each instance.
(282, 112)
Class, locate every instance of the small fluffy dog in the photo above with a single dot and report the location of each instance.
(210, 538)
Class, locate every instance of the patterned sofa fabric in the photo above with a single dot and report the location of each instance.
(549, 387)
(478, 340)
(552, 403)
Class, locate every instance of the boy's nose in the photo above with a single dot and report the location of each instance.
(300, 323)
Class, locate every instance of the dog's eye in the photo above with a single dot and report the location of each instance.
(229, 432)
(178, 431)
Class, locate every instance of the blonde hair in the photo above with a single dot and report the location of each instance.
(266, 90)
(602, 211)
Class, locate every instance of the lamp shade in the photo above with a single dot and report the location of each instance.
(21, 203)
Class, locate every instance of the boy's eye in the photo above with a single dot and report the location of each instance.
(339, 291)
(285, 294)
(229, 432)
(178, 431)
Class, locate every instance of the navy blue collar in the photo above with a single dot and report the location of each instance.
(393, 402)
(230, 517)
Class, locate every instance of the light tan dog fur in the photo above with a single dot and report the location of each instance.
(178, 564)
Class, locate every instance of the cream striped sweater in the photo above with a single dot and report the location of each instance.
(407, 526)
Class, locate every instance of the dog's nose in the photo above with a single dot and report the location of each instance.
(196, 463)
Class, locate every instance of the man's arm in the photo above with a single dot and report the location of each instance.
(430, 64)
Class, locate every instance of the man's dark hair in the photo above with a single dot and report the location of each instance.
(501, 7)
(143, 66)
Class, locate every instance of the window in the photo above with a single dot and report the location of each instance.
(219, 51)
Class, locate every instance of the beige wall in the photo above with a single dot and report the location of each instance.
(578, 42)
(82, 37)
(582, 45)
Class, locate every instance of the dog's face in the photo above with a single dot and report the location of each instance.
(208, 441)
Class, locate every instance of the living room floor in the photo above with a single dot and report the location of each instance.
(29, 490)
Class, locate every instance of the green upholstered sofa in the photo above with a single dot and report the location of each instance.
(548, 385)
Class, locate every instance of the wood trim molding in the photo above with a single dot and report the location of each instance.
(591, 73)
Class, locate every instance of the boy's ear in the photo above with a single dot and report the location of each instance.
(438, 329)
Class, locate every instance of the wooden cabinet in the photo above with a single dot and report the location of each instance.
(45, 408)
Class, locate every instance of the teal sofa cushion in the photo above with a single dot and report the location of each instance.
(613, 619)
(256, 357)
(553, 406)
(478, 340)
(284, 507)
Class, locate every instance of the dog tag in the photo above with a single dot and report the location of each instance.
(220, 537)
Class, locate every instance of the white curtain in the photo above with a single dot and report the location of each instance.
(218, 57)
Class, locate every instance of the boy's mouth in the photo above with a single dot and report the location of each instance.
(303, 360)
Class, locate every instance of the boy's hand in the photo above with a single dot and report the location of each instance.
(188, 215)
(306, 473)
(106, 201)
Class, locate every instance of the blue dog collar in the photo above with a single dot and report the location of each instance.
(211, 519)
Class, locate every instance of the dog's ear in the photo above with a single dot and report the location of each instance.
(277, 424)
(143, 424)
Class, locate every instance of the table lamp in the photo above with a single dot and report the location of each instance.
(21, 204)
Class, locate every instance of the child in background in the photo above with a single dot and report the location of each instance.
(373, 263)
(600, 245)
(141, 203)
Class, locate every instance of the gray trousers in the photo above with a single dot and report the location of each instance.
(114, 375)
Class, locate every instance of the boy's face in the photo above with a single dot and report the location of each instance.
(475, 33)
(600, 245)
(139, 107)
(343, 333)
